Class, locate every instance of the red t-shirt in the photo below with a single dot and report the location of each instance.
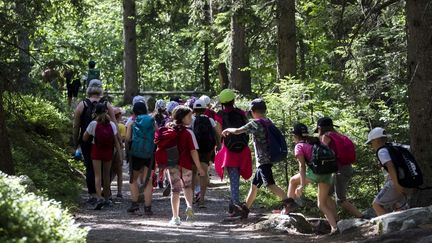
(210, 113)
(187, 143)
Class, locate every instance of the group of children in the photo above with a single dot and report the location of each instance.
(182, 139)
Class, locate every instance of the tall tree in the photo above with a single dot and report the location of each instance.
(130, 51)
(419, 20)
(207, 22)
(286, 38)
(240, 76)
(24, 47)
(6, 162)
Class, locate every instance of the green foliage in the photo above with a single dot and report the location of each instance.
(27, 217)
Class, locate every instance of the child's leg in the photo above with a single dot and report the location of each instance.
(187, 186)
(293, 184)
(119, 173)
(107, 179)
(277, 191)
(204, 181)
(234, 176)
(134, 185)
(148, 190)
(253, 191)
(175, 182)
(323, 197)
(98, 178)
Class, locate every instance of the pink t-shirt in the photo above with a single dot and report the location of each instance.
(303, 149)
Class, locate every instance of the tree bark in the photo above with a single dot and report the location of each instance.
(130, 51)
(419, 22)
(240, 75)
(6, 162)
(24, 61)
(206, 48)
(223, 75)
(286, 38)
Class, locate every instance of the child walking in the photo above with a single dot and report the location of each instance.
(180, 175)
(235, 155)
(140, 147)
(303, 154)
(264, 173)
(104, 134)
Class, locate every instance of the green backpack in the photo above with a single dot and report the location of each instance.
(143, 132)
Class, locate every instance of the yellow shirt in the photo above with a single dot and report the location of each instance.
(122, 130)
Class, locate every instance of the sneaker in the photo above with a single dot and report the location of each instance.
(100, 204)
(167, 191)
(290, 205)
(92, 200)
(244, 211)
(334, 231)
(133, 208)
(148, 211)
(234, 211)
(189, 214)
(175, 221)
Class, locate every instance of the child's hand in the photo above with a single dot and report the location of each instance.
(228, 131)
(201, 172)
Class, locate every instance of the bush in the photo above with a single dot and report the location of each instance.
(26, 217)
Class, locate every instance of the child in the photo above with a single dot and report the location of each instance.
(181, 175)
(392, 196)
(117, 166)
(205, 131)
(303, 154)
(328, 135)
(235, 155)
(263, 174)
(103, 132)
(140, 146)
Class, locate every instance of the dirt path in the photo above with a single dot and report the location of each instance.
(115, 224)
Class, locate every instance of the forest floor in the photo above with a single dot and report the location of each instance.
(210, 225)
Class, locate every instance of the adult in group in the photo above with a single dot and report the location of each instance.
(84, 114)
(92, 73)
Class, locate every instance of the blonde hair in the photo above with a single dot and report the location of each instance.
(94, 90)
(103, 118)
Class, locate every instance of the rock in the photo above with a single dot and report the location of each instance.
(395, 221)
(427, 239)
(27, 182)
(319, 226)
(347, 224)
(286, 223)
(369, 213)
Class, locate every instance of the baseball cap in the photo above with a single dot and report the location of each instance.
(258, 104)
(324, 122)
(206, 99)
(137, 99)
(377, 132)
(171, 105)
(226, 96)
(300, 129)
(95, 83)
(160, 104)
(199, 104)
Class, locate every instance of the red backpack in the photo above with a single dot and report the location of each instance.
(343, 147)
(104, 135)
(166, 146)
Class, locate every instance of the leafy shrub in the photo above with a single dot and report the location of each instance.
(26, 217)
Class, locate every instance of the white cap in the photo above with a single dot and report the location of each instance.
(95, 83)
(199, 104)
(206, 99)
(160, 104)
(137, 99)
(377, 132)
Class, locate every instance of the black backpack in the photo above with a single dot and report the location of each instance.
(234, 119)
(408, 171)
(89, 114)
(204, 133)
(277, 147)
(323, 160)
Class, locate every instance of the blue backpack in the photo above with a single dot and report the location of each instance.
(277, 145)
(143, 132)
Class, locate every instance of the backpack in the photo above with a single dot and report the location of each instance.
(166, 146)
(142, 137)
(204, 133)
(104, 135)
(89, 114)
(344, 148)
(408, 171)
(92, 74)
(277, 147)
(234, 119)
(323, 160)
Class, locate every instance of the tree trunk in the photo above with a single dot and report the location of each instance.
(240, 75)
(223, 75)
(24, 60)
(419, 21)
(130, 51)
(6, 162)
(286, 38)
(206, 49)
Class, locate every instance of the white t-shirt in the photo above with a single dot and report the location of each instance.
(212, 122)
(384, 157)
(91, 129)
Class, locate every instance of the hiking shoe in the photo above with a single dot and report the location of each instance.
(92, 201)
(100, 204)
(167, 191)
(148, 211)
(235, 210)
(175, 221)
(133, 208)
(244, 211)
(189, 214)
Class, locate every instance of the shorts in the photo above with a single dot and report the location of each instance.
(103, 154)
(389, 198)
(73, 88)
(205, 157)
(138, 163)
(263, 176)
(327, 178)
(341, 180)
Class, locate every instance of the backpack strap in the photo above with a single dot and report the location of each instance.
(390, 150)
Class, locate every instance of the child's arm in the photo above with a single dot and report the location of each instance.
(392, 173)
(77, 123)
(128, 137)
(302, 167)
(195, 157)
(86, 136)
(235, 131)
(119, 149)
